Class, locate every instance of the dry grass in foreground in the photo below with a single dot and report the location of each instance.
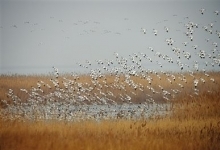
(194, 124)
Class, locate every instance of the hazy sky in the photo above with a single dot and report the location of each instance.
(36, 35)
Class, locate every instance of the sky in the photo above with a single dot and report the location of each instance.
(37, 35)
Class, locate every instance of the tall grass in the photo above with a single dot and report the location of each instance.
(193, 124)
(16, 82)
(187, 128)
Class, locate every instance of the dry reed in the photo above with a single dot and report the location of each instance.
(193, 124)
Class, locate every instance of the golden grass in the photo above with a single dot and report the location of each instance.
(166, 133)
(16, 82)
(193, 124)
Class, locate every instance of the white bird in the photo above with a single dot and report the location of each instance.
(195, 46)
(184, 43)
(212, 79)
(216, 12)
(151, 48)
(88, 62)
(211, 24)
(203, 80)
(155, 32)
(116, 54)
(191, 37)
(166, 28)
(143, 30)
(170, 41)
(215, 44)
(202, 10)
(206, 28)
(196, 81)
(218, 33)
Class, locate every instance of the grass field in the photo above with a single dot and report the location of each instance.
(194, 122)
(16, 82)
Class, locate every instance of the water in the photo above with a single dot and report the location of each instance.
(84, 112)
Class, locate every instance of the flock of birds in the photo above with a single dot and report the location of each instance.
(122, 87)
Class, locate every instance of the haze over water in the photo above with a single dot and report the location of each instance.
(37, 35)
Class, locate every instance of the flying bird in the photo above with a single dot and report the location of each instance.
(216, 12)
(155, 32)
(143, 30)
(202, 10)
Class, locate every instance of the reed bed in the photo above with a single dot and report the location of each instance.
(121, 134)
(183, 131)
(194, 123)
(16, 82)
